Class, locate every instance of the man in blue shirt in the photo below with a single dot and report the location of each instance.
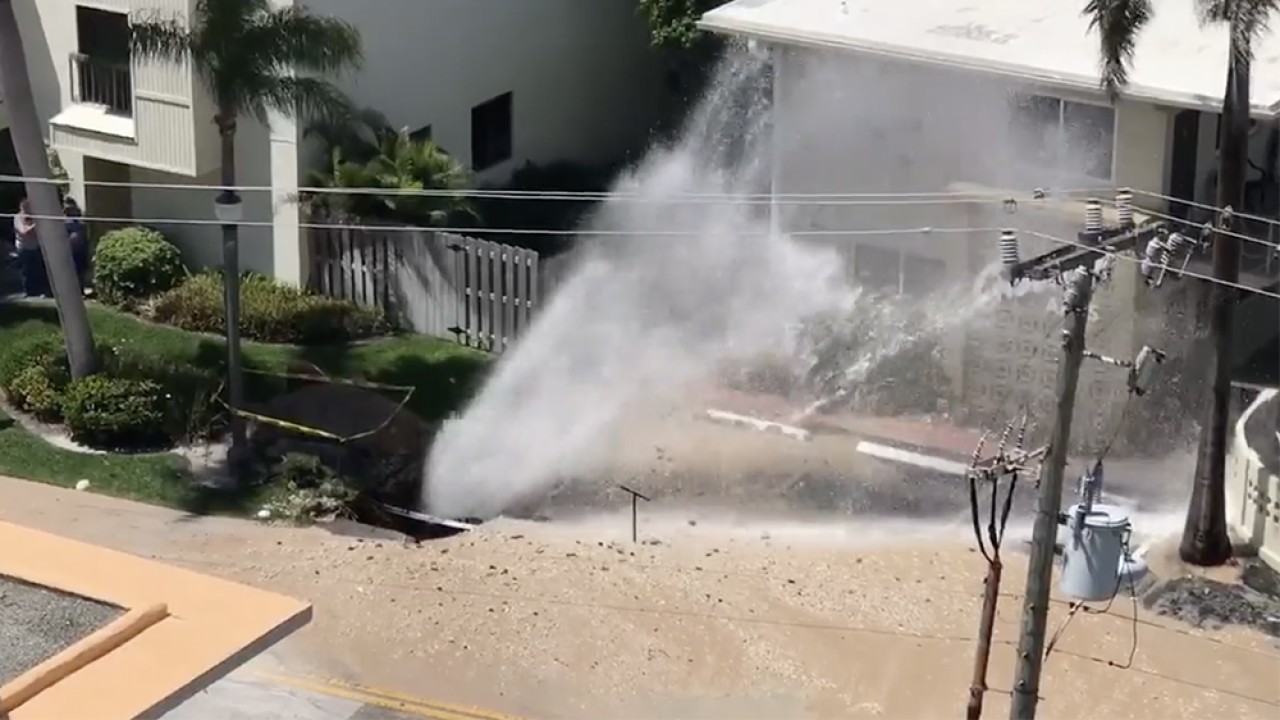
(78, 235)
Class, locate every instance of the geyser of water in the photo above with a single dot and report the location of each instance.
(644, 314)
(671, 292)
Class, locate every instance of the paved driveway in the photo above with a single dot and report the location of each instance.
(248, 694)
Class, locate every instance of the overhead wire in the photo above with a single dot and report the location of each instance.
(603, 232)
(908, 197)
(1204, 206)
(1188, 223)
(1139, 261)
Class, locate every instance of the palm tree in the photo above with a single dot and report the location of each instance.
(33, 158)
(1118, 22)
(253, 58)
(371, 154)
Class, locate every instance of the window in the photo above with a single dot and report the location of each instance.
(877, 268)
(100, 70)
(1064, 134)
(895, 273)
(491, 132)
(921, 275)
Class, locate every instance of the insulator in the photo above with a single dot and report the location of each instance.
(1091, 484)
(1038, 194)
(1071, 298)
(1144, 369)
(1093, 215)
(1151, 259)
(1124, 207)
(1179, 243)
(1009, 255)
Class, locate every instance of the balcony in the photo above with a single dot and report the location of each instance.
(136, 112)
(108, 85)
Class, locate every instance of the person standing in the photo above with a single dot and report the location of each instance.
(78, 236)
(35, 281)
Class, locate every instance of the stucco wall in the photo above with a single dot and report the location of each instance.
(585, 83)
(201, 244)
(851, 124)
(163, 133)
(1253, 488)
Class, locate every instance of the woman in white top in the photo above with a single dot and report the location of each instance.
(35, 282)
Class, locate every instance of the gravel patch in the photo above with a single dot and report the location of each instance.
(1211, 604)
(37, 623)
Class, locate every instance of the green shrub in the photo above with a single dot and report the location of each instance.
(117, 413)
(311, 490)
(269, 312)
(33, 391)
(189, 390)
(39, 349)
(135, 263)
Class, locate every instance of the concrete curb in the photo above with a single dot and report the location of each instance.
(46, 674)
(730, 418)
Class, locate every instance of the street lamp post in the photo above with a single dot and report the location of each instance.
(230, 212)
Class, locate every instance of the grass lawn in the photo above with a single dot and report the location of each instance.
(442, 373)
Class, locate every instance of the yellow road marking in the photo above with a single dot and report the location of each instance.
(385, 698)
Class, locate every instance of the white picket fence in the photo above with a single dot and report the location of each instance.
(483, 294)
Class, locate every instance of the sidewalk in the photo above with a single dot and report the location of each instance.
(711, 620)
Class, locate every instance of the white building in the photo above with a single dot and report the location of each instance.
(496, 83)
(937, 95)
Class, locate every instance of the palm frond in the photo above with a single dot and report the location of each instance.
(294, 37)
(1118, 22)
(1247, 20)
(160, 38)
(304, 98)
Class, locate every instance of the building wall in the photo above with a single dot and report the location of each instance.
(850, 124)
(260, 248)
(165, 131)
(586, 86)
(1253, 490)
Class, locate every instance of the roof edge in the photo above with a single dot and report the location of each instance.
(824, 41)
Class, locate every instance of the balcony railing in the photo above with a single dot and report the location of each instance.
(97, 82)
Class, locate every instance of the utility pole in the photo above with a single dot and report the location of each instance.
(1035, 612)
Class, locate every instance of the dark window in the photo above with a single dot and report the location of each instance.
(1050, 131)
(922, 276)
(102, 34)
(491, 132)
(877, 268)
(100, 69)
(1089, 132)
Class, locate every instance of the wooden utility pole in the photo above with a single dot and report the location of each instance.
(986, 626)
(1035, 611)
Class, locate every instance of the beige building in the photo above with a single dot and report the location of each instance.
(999, 99)
(495, 83)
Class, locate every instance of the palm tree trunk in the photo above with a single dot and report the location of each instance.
(231, 299)
(1204, 537)
(28, 144)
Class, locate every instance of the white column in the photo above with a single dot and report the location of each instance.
(775, 142)
(290, 259)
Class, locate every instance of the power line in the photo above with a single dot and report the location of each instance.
(923, 230)
(870, 198)
(1204, 206)
(1139, 261)
(1188, 223)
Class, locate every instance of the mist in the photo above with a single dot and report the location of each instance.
(670, 289)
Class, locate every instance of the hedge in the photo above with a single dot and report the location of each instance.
(117, 413)
(270, 312)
